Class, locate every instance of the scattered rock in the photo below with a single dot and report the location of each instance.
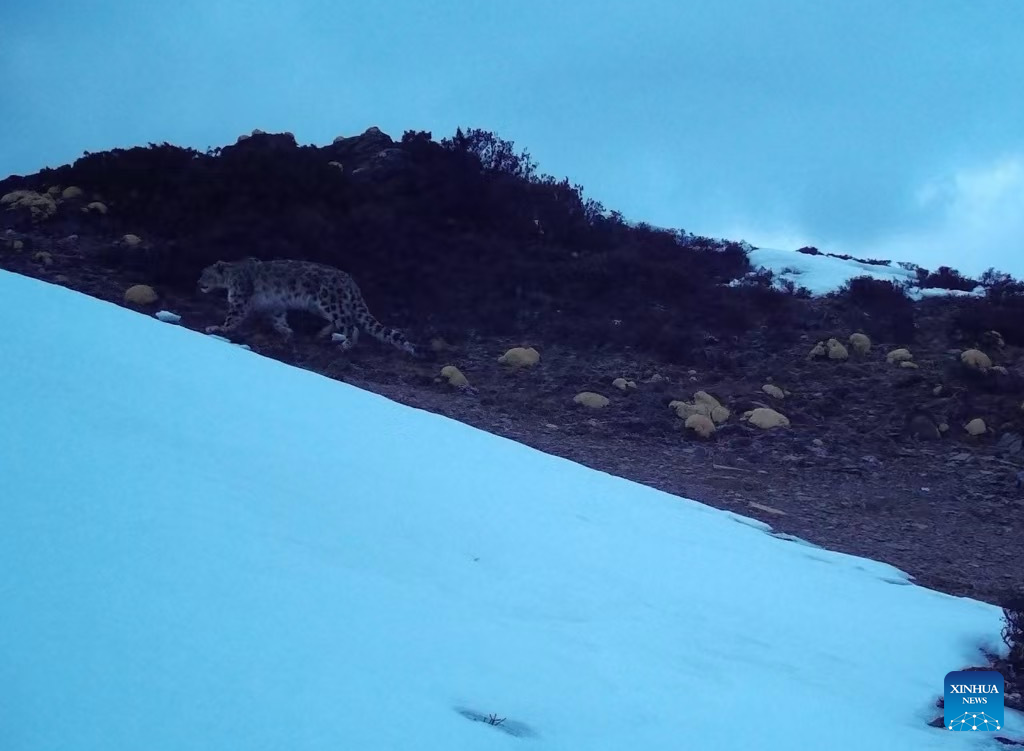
(833, 349)
(454, 377)
(702, 425)
(976, 427)
(836, 350)
(719, 412)
(684, 410)
(773, 391)
(899, 355)
(167, 316)
(71, 192)
(703, 404)
(818, 350)
(703, 397)
(861, 343)
(141, 294)
(39, 205)
(592, 400)
(766, 418)
(766, 509)
(909, 365)
(43, 257)
(520, 357)
(975, 359)
(131, 241)
(623, 384)
(96, 207)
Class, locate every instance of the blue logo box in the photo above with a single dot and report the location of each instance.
(973, 700)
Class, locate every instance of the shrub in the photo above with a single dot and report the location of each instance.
(1003, 313)
(870, 292)
(945, 278)
(1000, 287)
(789, 287)
(1013, 633)
(868, 261)
(880, 308)
(495, 154)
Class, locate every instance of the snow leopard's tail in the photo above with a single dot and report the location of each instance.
(366, 321)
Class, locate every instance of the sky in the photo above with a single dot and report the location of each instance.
(878, 128)
(302, 564)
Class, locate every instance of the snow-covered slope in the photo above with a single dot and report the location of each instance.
(822, 274)
(201, 548)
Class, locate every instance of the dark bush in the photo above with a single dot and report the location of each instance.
(945, 278)
(809, 250)
(790, 287)
(1001, 287)
(869, 292)
(1002, 310)
(495, 154)
(974, 317)
(878, 307)
(868, 261)
(1013, 633)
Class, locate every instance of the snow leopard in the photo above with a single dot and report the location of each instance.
(275, 287)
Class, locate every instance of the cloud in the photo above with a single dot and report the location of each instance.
(977, 220)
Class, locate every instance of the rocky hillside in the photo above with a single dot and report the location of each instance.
(862, 420)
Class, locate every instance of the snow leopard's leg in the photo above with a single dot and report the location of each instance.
(279, 320)
(352, 334)
(339, 323)
(237, 312)
(347, 334)
(326, 331)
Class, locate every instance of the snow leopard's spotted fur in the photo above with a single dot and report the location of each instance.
(275, 287)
